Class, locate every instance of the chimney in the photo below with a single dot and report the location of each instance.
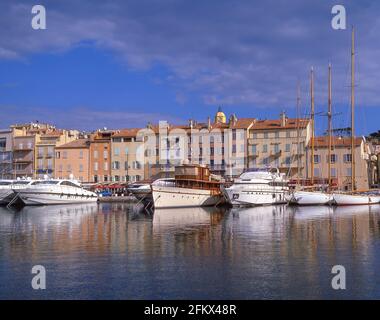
(283, 118)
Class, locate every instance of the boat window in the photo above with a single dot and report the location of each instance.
(45, 182)
(5, 183)
(68, 183)
(22, 182)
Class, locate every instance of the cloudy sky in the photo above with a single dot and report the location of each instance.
(124, 63)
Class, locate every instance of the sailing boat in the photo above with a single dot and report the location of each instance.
(302, 197)
(345, 199)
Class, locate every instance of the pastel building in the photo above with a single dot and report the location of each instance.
(127, 156)
(6, 166)
(100, 156)
(72, 160)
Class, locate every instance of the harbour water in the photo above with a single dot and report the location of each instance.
(117, 251)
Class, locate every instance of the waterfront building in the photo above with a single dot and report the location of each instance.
(6, 154)
(280, 143)
(72, 160)
(127, 156)
(100, 156)
(34, 147)
(341, 161)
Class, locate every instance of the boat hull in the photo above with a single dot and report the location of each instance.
(308, 198)
(49, 196)
(352, 200)
(174, 197)
(6, 195)
(254, 197)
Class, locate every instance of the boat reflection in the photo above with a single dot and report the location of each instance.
(172, 219)
(349, 211)
(311, 212)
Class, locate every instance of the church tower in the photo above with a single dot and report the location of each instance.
(220, 117)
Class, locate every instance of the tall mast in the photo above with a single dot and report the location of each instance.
(329, 115)
(298, 132)
(312, 123)
(353, 187)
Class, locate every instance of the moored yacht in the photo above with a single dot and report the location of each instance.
(347, 199)
(44, 192)
(8, 187)
(310, 198)
(192, 186)
(258, 187)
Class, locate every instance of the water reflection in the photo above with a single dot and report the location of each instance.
(120, 251)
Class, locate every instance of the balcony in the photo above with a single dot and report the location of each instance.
(22, 160)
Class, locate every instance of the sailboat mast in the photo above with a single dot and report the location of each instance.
(353, 187)
(312, 123)
(329, 115)
(298, 132)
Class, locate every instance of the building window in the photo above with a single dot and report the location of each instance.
(242, 147)
(64, 155)
(349, 172)
(288, 134)
(288, 160)
(96, 154)
(265, 148)
(266, 135)
(80, 167)
(254, 136)
(126, 150)
(105, 154)
(316, 172)
(116, 165)
(57, 155)
(105, 179)
(254, 149)
(95, 178)
(347, 157)
(60, 168)
(276, 148)
(138, 178)
(242, 135)
(81, 154)
(116, 151)
(317, 158)
(265, 161)
(69, 168)
(95, 166)
(334, 158)
(50, 164)
(233, 134)
(234, 148)
(333, 172)
(287, 147)
(105, 166)
(277, 134)
(117, 178)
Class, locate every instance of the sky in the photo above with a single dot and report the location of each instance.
(120, 64)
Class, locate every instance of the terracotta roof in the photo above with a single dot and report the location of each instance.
(126, 133)
(323, 142)
(80, 143)
(276, 124)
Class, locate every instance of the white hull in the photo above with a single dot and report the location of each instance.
(342, 199)
(309, 198)
(173, 197)
(6, 195)
(248, 197)
(46, 195)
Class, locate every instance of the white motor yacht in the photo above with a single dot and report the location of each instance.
(44, 192)
(258, 187)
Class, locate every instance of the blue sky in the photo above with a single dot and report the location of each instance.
(125, 63)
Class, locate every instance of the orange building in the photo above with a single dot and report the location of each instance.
(73, 160)
(100, 156)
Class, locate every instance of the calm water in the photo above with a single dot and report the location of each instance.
(115, 251)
